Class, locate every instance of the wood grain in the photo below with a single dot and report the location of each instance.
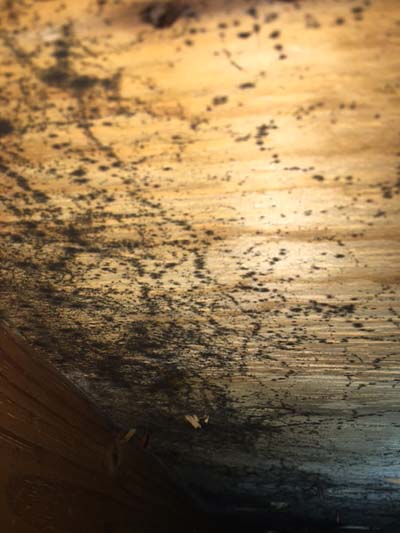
(201, 217)
(62, 468)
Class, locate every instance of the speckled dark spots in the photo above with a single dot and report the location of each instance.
(318, 177)
(199, 263)
(19, 179)
(165, 259)
(73, 234)
(263, 132)
(56, 265)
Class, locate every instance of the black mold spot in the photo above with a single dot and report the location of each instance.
(40, 197)
(55, 76)
(252, 11)
(6, 128)
(311, 21)
(20, 180)
(247, 85)
(358, 12)
(219, 100)
(270, 17)
(16, 238)
(82, 83)
(61, 53)
(79, 172)
(274, 34)
(162, 16)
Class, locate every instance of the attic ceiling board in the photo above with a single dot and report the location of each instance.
(200, 216)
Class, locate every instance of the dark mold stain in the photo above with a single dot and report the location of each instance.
(219, 100)
(163, 15)
(6, 127)
(244, 34)
(274, 34)
(64, 78)
(247, 85)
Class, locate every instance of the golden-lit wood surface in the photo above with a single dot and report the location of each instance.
(200, 215)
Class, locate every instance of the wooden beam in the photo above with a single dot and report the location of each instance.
(204, 203)
(64, 469)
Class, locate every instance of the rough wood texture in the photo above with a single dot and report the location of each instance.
(201, 216)
(62, 469)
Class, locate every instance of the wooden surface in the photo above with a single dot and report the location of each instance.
(63, 469)
(200, 216)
